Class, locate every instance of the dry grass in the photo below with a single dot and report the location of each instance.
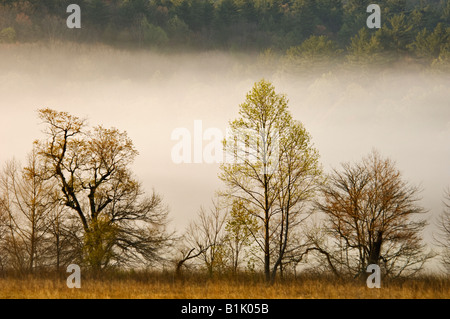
(164, 286)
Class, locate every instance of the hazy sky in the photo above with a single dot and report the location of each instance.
(403, 114)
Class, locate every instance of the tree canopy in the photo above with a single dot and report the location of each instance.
(220, 24)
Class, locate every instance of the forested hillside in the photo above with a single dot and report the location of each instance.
(419, 28)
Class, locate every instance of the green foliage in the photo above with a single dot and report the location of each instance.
(396, 34)
(99, 242)
(446, 12)
(303, 18)
(431, 45)
(241, 224)
(275, 171)
(315, 47)
(240, 229)
(96, 13)
(152, 35)
(364, 47)
(177, 30)
(227, 13)
(354, 18)
(316, 51)
(330, 13)
(235, 24)
(8, 35)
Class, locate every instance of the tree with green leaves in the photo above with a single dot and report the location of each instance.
(7, 35)
(150, 34)
(364, 48)
(227, 13)
(303, 17)
(272, 168)
(241, 226)
(318, 52)
(396, 34)
(298, 177)
(431, 44)
(354, 18)
(330, 13)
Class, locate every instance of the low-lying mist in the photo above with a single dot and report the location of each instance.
(403, 112)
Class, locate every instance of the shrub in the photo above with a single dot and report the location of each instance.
(8, 35)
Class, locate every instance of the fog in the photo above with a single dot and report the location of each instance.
(403, 113)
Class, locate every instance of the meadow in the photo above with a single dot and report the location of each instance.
(150, 285)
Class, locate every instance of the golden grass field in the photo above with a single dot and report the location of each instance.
(200, 287)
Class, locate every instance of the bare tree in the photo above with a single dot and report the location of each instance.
(65, 240)
(140, 224)
(28, 201)
(218, 237)
(3, 234)
(187, 254)
(371, 217)
(443, 237)
(205, 237)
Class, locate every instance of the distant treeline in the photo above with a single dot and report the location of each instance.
(417, 27)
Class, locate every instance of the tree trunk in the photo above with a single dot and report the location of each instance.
(374, 255)
(266, 249)
(376, 249)
(266, 229)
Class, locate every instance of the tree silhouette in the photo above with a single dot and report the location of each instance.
(91, 167)
(370, 216)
